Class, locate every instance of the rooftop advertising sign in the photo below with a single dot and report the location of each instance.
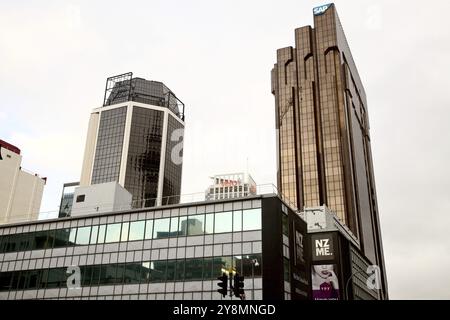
(321, 9)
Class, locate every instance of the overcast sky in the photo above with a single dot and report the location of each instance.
(216, 56)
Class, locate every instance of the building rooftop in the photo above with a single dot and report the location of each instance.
(124, 87)
(8, 146)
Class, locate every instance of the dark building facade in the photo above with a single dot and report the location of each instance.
(136, 140)
(168, 252)
(323, 139)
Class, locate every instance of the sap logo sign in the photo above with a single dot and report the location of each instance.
(323, 248)
(321, 10)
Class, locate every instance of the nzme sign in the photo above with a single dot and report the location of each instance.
(323, 248)
(321, 10)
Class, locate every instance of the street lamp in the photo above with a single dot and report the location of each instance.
(348, 281)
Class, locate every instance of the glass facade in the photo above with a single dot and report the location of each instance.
(172, 169)
(144, 154)
(108, 152)
(157, 248)
(324, 152)
(130, 273)
(194, 225)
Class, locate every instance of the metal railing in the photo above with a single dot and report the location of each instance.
(264, 189)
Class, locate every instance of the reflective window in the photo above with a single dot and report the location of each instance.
(179, 270)
(171, 265)
(94, 234)
(182, 227)
(158, 271)
(287, 273)
(132, 273)
(136, 230)
(208, 268)
(220, 263)
(96, 271)
(223, 222)
(86, 275)
(113, 233)
(251, 265)
(72, 236)
(145, 272)
(196, 224)
(61, 238)
(108, 274)
(251, 219)
(83, 235)
(285, 224)
(237, 220)
(124, 235)
(193, 269)
(237, 264)
(101, 234)
(121, 267)
(174, 227)
(209, 223)
(149, 229)
(161, 228)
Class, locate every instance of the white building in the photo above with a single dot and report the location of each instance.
(231, 186)
(100, 198)
(20, 191)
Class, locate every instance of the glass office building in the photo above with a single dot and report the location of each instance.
(169, 252)
(133, 138)
(323, 134)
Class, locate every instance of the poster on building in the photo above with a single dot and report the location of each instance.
(299, 248)
(325, 283)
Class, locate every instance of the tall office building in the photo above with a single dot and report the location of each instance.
(323, 143)
(136, 139)
(20, 191)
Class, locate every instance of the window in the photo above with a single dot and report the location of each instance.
(193, 269)
(174, 227)
(286, 267)
(72, 236)
(207, 268)
(83, 235)
(179, 270)
(94, 234)
(108, 274)
(196, 224)
(149, 229)
(285, 224)
(161, 228)
(209, 223)
(113, 233)
(251, 265)
(220, 263)
(124, 235)
(81, 198)
(223, 222)
(251, 219)
(136, 230)
(237, 221)
(171, 265)
(61, 238)
(158, 271)
(182, 226)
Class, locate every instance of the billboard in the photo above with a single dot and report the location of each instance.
(325, 282)
(323, 247)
